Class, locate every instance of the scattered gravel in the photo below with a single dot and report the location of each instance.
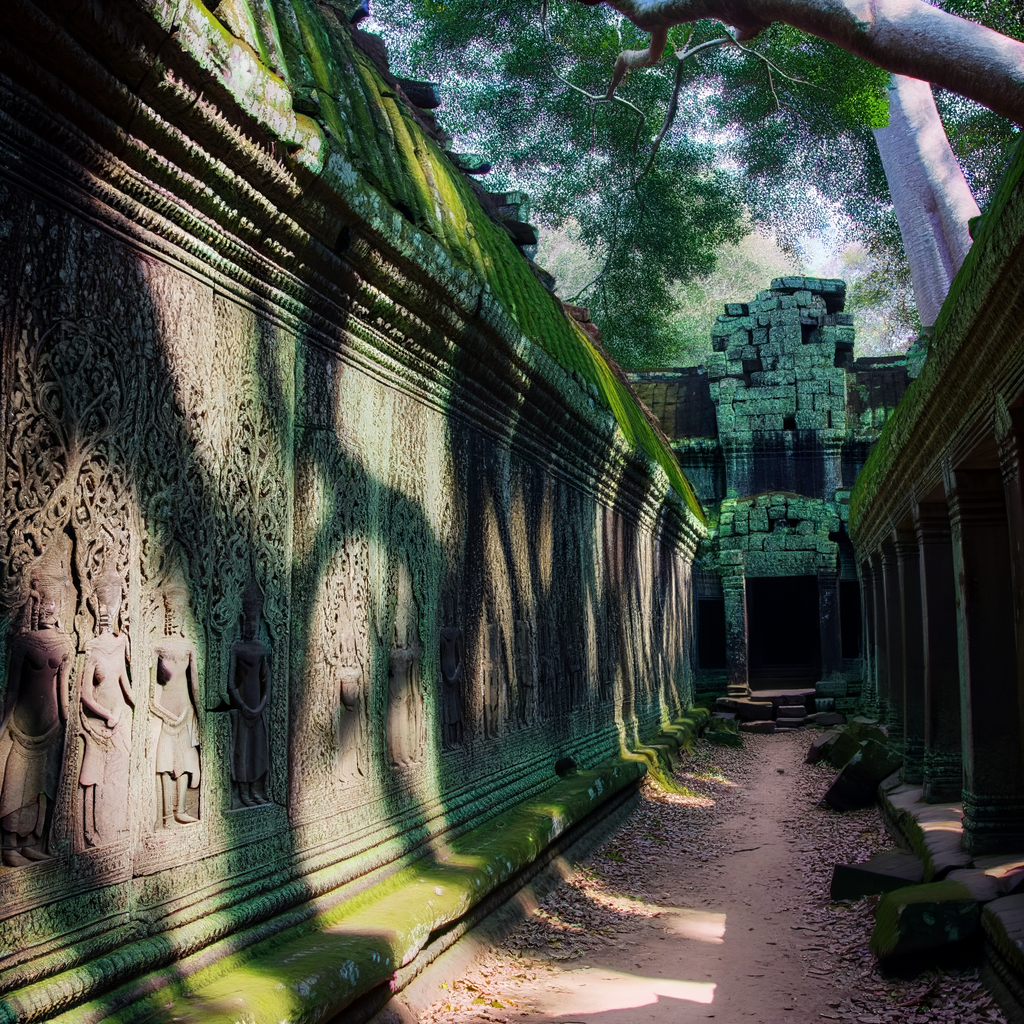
(612, 896)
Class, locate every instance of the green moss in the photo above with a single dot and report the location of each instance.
(897, 931)
(381, 139)
(319, 966)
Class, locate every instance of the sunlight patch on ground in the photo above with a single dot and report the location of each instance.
(597, 990)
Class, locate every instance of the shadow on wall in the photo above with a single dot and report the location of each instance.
(431, 619)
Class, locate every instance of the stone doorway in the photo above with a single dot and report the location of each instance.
(783, 632)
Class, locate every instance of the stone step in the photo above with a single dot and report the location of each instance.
(797, 711)
(763, 727)
(882, 873)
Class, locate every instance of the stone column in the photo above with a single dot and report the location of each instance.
(993, 792)
(869, 691)
(892, 713)
(1009, 430)
(829, 624)
(943, 764)
(881, 658)
(734, 590)
(912, 640)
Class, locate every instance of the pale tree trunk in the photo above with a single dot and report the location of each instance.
(930, 195)
(906, 37)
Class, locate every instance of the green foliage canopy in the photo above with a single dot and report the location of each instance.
(776, 133)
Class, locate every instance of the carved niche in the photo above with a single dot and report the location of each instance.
(249, 692)
(107, 709)
(34, 719)
(406, 732)
(453, 670)
(173, 703)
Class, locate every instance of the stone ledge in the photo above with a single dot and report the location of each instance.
(314, 969)
(932, 831)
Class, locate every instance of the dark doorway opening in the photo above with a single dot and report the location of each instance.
(849, 618)
(783, 632)
(711, 633)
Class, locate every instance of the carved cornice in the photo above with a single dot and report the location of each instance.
(393, 304)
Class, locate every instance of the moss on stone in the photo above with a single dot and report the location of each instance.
(923, 917)
(316, 968)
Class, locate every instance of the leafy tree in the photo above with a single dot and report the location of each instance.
(659, 177)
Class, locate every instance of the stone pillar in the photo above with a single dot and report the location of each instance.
(881, 658)
(943, 764)
(892, 713)
(993, 792)
(912, 640)
(869, 691)
(829, 625)
(734, 590)
(1009, 430)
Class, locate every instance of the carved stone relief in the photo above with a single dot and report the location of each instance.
(107, 708)
(406, 733)
(494, 683)
(34, 720)
(249, 690)
(526, 690)
(453, 670)
(174, 698)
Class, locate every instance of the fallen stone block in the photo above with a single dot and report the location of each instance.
(830, 718)
(857, 783)
(824, 704)
(727, 715)
(922, 918)
(884, 872)
(761, 727)
(724, 732)
(842, 750)
(820, 746)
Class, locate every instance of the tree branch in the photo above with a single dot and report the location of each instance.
(629, 59)
(673, 106)
(906, 37)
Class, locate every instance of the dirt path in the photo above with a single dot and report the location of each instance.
(711, 906)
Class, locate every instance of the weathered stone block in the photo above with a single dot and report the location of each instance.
(924, 917)
(842, 749)
(857, 782)
(885, 872)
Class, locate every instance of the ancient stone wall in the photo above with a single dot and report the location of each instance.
(314, 556)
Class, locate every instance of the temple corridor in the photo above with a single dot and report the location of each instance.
(714, 906)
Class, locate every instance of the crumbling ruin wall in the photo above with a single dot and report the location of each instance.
(328, 534)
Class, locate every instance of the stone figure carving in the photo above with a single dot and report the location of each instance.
(405, 727)
(249, 690)
(493, 679)
(452, 672)
(32, 728)
(173, 700)
(351, 738)
(106, 721)
(525, 688)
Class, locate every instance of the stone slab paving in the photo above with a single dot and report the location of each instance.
(710, 906)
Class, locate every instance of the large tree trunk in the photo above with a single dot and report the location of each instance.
(932, 199)
(906, 37)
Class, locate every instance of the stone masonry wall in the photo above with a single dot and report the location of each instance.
(315, 557)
